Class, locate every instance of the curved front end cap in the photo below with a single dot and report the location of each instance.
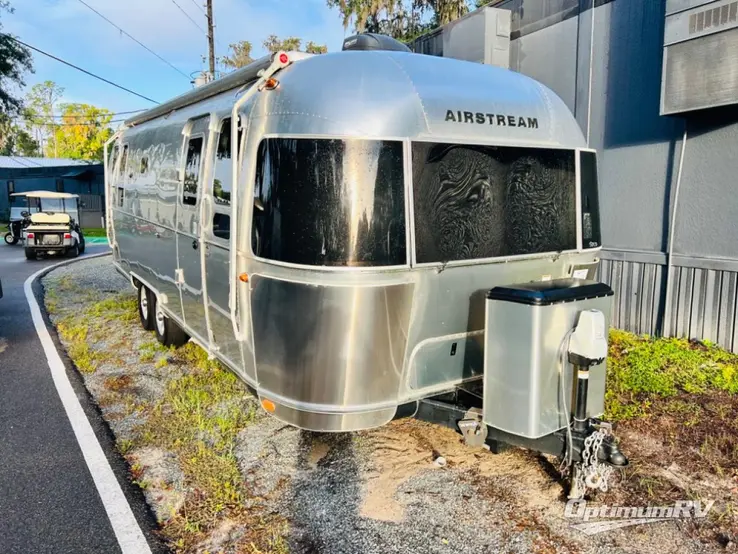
(327, 422)
(336, 352)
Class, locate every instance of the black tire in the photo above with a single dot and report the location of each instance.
(81, 244)
(74, 250)
(10, 239)
(146, 308)
(30, 254)
(167, 331)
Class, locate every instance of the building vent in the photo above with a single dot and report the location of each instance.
(700, 55)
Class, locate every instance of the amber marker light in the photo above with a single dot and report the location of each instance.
(268, 405)
(244, 277)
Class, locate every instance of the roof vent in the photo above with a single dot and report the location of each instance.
(372, 41)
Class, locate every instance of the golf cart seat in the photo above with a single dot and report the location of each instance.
(50, 219)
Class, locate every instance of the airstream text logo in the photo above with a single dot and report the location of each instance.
(500, 120)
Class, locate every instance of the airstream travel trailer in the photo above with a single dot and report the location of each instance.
(348, 233)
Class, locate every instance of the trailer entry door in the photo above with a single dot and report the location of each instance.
(188, 226)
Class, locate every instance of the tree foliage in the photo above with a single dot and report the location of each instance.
(83, 132)
(240, 52)
(240, 55)
(401, 19)
(16, 141)
(38, 113)
(15, 60)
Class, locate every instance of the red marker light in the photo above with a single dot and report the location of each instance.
(30, 235)
(284, 58)
(67, 236)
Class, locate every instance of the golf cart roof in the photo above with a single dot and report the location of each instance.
(45, 194)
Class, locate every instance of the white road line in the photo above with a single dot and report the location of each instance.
(129, 534)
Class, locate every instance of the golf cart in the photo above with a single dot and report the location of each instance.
(54, 227)
(21, 209)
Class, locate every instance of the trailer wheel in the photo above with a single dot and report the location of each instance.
(146, 308)
(30, 254)
(10, 239)
(167, 331)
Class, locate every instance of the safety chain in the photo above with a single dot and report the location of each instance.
(593, 474)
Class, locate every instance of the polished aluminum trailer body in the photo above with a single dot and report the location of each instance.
(339, 343)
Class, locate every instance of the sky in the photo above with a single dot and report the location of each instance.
(71, 31)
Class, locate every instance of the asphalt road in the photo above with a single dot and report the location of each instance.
(48, 500)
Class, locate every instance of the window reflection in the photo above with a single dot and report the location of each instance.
(330, 202)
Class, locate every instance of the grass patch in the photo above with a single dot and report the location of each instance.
(642, 370)
(75, 333)
(97, 232)
(121, 307)
(147, 351)
(677, 400)
(199, 419)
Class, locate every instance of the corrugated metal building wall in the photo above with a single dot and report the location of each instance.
(604, 58)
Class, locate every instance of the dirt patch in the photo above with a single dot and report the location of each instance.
(159, 475)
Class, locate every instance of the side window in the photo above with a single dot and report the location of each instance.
(113, 158)
(223, 168)
(123, 161)
(590, 201)
(192, 171)
(122, 172)
(222, 226)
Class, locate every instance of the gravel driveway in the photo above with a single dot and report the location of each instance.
(380, 491)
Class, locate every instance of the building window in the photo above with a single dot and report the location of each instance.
(60, 185)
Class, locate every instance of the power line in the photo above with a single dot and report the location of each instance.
(79, 68)
(204, 32)
(142, 45)
(198, 7)
(84, 116)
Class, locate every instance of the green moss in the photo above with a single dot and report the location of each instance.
(642, 369)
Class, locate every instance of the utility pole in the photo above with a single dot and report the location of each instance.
(211, 40)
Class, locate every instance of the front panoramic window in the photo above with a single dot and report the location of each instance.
(474, 202)
(330, 202)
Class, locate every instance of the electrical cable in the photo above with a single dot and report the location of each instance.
(199, 7)
(562, 381)
(142, 45)
(188, 17)
(103, 79)
(73, 116)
